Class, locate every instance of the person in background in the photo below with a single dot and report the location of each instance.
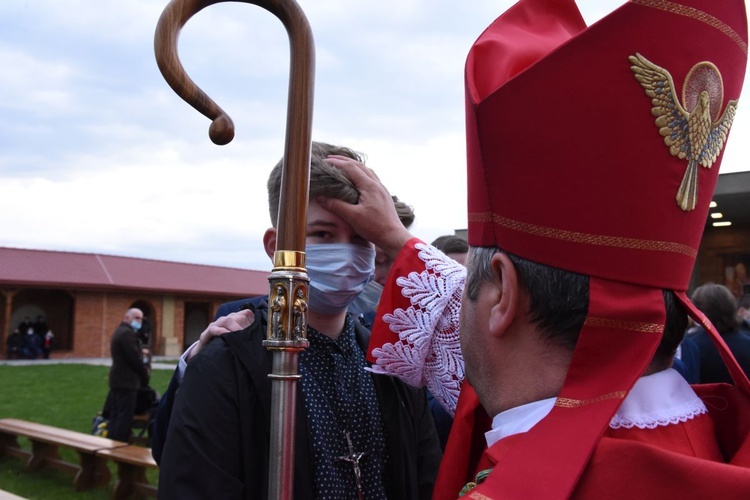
(47, 343)
(14, 344)
(453, 246)
(699, 354)
(24, 325)
(126, 375)
(40, 326)
(31, 346)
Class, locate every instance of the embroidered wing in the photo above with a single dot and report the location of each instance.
(717, 136)
(671, 117)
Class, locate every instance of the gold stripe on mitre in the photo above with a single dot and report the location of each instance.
(633, 326)
(698, 15)
(586, 238)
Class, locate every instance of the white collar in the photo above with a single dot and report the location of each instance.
(660, 399)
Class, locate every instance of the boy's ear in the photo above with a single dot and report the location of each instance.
(509, 301)
(269, 242)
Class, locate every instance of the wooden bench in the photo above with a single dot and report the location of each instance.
(132, 462)
(92, 471)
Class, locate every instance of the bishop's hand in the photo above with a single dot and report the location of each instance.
(374, 217)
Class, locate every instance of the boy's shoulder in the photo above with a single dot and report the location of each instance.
(259, 303)
(227, 352)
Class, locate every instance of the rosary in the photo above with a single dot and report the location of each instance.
(354, 458)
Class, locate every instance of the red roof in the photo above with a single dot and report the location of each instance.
(21, 267)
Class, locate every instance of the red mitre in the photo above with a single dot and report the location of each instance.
(597, 150)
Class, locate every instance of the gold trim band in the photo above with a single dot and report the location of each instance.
(575, 403)
(633, 326)
(590, 239)
(477, 496)
(698, 15)
(289, 259)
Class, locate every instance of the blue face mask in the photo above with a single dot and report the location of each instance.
(367, 301)
(136, 324)
(338, 273)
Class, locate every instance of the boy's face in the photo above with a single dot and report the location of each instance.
(337, 275)
(325, 227)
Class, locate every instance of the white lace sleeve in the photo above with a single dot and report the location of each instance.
(428, 353)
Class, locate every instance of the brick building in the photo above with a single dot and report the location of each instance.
(83, 297)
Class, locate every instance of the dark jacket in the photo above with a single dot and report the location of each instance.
(128, 370)
(709, 362)
(218, 438)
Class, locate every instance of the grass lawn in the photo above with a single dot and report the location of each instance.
(66, 396)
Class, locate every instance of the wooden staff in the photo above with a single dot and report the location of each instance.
(288, 297)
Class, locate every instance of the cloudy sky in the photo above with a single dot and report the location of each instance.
(97, 154)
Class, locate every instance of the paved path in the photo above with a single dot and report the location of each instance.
(158, 362)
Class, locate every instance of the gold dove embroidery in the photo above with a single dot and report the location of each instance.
(692, 130)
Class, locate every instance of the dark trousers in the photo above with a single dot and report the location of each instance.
(121, 411)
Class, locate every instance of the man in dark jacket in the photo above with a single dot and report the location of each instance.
(126, 375)
(14, 344)
(217, 443)
(699, 354)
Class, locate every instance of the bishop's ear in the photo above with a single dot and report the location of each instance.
(509, 294)
(269, 242)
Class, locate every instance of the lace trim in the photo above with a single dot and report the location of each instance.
(428, 353)
(683, 413)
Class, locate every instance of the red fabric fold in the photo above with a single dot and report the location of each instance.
(523, 35)
(463, 456)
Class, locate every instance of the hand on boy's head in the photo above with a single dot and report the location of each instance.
(230, 323)
(374, 217)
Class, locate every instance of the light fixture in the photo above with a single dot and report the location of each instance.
(722, 223)
(712, 204)
(716, 215)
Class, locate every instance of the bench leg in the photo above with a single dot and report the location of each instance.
(9, 446)
(41, 453)
(93, 473)
(128, 476)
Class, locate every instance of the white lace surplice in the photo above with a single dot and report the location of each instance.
(428, 353)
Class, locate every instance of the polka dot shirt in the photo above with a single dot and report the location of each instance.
(340, 398)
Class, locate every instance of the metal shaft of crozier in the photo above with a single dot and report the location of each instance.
(286, 336)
